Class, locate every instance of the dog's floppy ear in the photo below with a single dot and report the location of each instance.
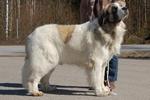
(101, 18)
(105, 2)
(97, 7)
(113, 1)
(118, 0)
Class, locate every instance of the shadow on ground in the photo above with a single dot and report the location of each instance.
(12, 89)
(17, 89)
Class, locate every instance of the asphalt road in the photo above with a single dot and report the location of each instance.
(133, 81)
(19, 50)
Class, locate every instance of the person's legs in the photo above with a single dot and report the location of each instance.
(113, 71)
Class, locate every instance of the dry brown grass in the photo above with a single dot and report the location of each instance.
(135, 54)
(56, 11)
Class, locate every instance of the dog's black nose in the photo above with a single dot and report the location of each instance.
(114, 9)
(125, 8)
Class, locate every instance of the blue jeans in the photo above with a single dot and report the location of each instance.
(113, 69)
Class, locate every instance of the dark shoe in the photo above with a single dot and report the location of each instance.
(111, 85)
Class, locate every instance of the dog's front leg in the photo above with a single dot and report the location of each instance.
(98, 78)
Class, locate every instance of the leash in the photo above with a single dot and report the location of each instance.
(108, 83)
(92, 3)
(107, 72)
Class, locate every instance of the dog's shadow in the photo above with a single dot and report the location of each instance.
(12, 89)
(17, 89)
(72, 90)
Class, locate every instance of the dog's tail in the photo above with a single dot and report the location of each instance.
(25, 74)
(26, 66)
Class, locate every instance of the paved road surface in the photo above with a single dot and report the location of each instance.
(133, 82)
(19, 50)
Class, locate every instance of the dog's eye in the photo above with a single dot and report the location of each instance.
(124, 8)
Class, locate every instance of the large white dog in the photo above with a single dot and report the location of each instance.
(91, 45)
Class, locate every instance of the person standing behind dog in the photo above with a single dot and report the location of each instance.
(86, 14)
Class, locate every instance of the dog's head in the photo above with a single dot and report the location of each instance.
(113, 12)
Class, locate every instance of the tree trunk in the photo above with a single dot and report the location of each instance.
(7, 19)
(18, 19)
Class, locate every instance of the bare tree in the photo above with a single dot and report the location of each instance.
(7, 19)
(18, 19)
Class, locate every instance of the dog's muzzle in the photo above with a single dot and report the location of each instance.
(119, 13)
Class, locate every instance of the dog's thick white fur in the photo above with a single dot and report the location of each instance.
(90, 45)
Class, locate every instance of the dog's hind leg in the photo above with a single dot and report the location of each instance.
(34, 72)
(89, 78)
(30, 81)
(45, 85)
(33, 87)
(34, 79)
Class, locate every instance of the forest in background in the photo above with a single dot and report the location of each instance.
(18, 18)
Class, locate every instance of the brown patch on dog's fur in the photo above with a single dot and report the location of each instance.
(66, 32)
(121, 2)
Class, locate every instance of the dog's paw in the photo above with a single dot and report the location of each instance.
(39, 93)
(106, 90)
(101, 92)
